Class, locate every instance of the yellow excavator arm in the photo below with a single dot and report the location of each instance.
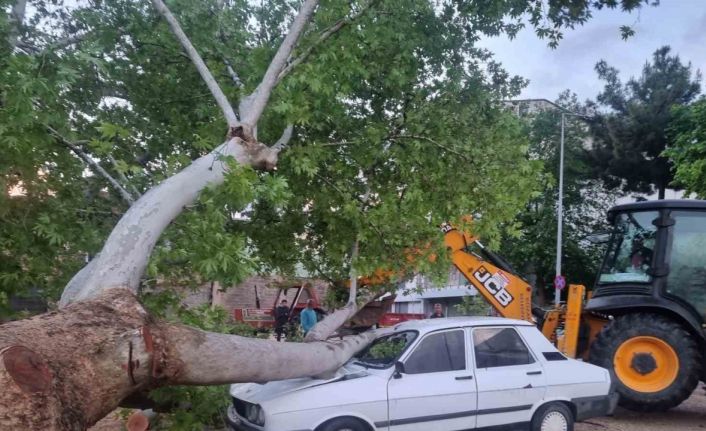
(510, 295)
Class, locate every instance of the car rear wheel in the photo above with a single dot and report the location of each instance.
(343, 424)
(553, 417)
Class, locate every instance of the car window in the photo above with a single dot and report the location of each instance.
(441, 351)
(499, 347)
(384, 351)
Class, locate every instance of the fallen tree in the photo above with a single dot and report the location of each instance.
(70, 368)
(66, 369)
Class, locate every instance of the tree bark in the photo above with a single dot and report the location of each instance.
(66, 370)
(126, 252)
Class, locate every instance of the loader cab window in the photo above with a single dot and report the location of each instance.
(631, 249)
(687, 261)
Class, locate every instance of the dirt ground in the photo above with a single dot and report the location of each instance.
(689, 416)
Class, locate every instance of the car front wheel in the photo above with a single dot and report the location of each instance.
(343, 424)
(553, 417)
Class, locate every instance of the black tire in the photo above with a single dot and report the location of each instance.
(553, 411)
(344, 424)
(623, 328)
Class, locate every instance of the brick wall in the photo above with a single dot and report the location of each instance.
(243, 294)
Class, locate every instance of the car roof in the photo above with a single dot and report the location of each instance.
(427, 325)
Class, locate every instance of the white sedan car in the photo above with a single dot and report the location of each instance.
(470, 373)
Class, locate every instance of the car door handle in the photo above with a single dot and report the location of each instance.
(464, 378)
(533, 373)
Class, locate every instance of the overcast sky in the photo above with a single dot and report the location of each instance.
(678, 23)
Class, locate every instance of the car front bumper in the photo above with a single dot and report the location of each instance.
(589, 407)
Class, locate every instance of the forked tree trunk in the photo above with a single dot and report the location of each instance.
(66, 370)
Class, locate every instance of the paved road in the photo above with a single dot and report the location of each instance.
(689, 416)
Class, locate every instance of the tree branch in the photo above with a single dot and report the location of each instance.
(353, 292)
(325, 35)
(57, 44)
(95, 166)
(436, 143)
(203, 70)
(322, 330)
(232, 73)
(209, 358)
(256, 102)
(122, 176)
(126, 251)
(285, 138)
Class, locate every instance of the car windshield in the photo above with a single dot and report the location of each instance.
(384, 351)
(630, 251)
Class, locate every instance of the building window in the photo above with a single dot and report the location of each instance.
(401, 307)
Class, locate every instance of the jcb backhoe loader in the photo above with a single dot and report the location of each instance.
(645, 319)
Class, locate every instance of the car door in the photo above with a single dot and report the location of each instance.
(510, 380)
(436, 390)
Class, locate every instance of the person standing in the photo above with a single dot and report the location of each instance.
(281, 318)
(438, 312)
(307, 317)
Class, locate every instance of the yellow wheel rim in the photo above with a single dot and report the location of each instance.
(646, 364)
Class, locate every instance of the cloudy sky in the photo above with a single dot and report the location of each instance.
(678, 23)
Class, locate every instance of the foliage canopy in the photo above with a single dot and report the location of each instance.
(397, 128)
(631, 136)
(688, 148)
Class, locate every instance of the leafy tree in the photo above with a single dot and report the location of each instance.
(630, 137)
(688, 147)
(585, 201)
(381, 117)
(472, 306)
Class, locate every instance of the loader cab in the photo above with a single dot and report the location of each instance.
(655, 258)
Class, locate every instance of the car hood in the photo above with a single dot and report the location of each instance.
(259, 392)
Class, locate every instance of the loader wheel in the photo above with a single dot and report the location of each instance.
(654, 362)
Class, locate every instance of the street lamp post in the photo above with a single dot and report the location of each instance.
(560, 209)
(559, 213)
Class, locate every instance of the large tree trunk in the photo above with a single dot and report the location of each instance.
(67, 369)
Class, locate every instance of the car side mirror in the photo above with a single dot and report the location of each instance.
(399, 370)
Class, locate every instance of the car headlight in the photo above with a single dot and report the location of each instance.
(251, 412)
(255, 414)
(260, 416)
